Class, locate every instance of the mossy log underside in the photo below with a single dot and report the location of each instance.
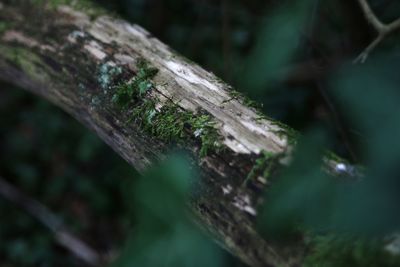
(76, 61)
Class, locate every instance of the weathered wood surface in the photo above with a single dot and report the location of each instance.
(68, 57)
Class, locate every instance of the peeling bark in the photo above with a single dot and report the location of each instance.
(70, 59)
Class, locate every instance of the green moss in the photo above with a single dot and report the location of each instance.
(24, 59)
(245, 100)
(203, 127)
(263, 166)
(134, 90)
(348, 251)
(170, 122)
(286, 131)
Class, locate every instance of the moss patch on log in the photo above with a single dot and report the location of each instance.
(25, 60)
(172, 124)
(168, 122)
(286, 131)
(134, 90)
(263, 166)
(245, 100)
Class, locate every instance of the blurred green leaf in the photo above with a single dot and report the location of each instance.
(163, 234)
(303, 193)
(277, 42)
(369, 95)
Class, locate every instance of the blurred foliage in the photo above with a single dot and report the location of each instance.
(163, 234)
(295, 58)
(348, 251)
(276, 45)
(362, 213)
(370, 95)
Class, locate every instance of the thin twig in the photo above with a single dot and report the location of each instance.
(370, 15)
(319, 85)
(40, 212)
(337, 121)
(382, 29)
(365, 53)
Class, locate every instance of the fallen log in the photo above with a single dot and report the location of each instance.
(140, 97)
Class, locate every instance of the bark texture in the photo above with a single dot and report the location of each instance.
(76, 61)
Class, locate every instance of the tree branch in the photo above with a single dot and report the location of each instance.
(382, 29)
(63, 236)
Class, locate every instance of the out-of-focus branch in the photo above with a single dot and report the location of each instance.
(41, 213)
(382, 29)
